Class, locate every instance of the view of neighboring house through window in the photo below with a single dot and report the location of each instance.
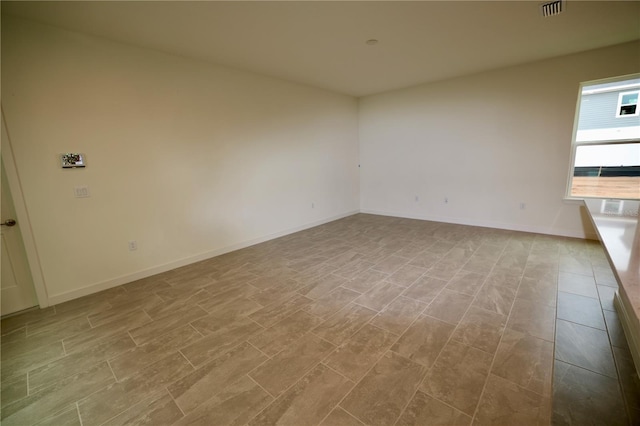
(628, 104)
(606, 141)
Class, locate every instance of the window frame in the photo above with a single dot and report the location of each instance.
(575, 143)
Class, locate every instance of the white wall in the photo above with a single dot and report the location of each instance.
(187, 158)
(488, 142)
(192, 160)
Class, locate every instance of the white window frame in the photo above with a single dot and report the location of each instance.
(575, 143)
(620, 104)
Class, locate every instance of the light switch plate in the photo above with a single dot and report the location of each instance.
(81, 191)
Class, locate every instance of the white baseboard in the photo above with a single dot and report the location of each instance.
(488, 224)
(105, 285)
(631, 328)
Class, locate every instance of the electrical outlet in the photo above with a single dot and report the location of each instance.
(522, 206)
(133, 245)
(446, 200)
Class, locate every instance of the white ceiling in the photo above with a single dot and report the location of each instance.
(323, 43)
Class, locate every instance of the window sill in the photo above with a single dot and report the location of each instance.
(574, 201)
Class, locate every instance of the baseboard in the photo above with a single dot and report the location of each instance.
(487, 224)
(630, 327)
(105, 285)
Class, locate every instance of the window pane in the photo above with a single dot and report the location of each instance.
(628, 109)
(631, 98)
(607, 171)
(608, 112)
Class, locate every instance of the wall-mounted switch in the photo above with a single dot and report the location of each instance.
(72, 160)
(81, 191)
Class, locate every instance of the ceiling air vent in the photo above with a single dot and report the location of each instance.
(552, 8)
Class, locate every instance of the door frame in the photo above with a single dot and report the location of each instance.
(13, 181)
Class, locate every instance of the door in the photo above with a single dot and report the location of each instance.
(15, 277)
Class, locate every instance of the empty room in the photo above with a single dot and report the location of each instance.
(320, 213)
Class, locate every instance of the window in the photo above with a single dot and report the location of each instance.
(628, 104)
(605, 152)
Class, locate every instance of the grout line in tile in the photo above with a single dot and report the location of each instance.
(112, 372)
(408, 359)
(196, 330)
(166, 388)
(265, 408)
(87, 396)
(259, 350)
(423, 315)
(54, 413)
(356, 383)
(78, 412)
(587, 369)
(115, 415)
(345, 395)
(349, 413)
(187, 359)
(362, 306)
(583, 325)
(262, 326)
(314, 366)
(334, 370)
(132, 339)
(409, 401)
(486, 380)
(149, 316)
(91, 326)
(382, 329)
(444, 402)
(264, 389)
(446, 343)
(611, 346)
(376, 362)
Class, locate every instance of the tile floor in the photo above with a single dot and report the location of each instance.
(366, 320)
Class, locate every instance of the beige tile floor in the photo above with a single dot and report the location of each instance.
(365, 320)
